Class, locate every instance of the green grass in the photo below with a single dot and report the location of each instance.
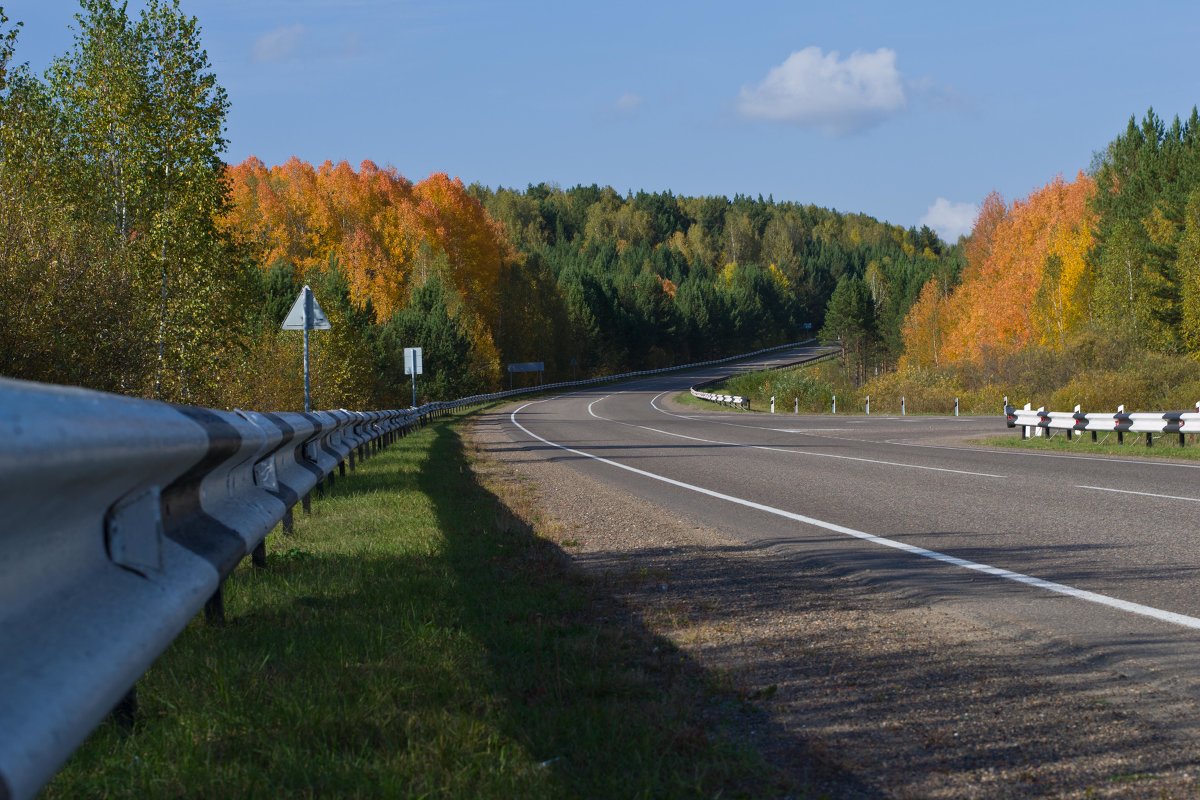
(414, 639)
(1165, 446)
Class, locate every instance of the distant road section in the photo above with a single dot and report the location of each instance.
(1099, 552)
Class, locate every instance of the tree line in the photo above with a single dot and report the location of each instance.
(1111, 256)
(136, 260)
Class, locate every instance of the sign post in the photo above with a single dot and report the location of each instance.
(413, 365)
(306, 315)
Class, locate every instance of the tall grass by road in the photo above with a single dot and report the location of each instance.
(1094, 378)
(414, 638)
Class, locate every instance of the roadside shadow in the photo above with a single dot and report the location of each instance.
(589, 688)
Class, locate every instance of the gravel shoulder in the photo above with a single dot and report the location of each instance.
(861, 693)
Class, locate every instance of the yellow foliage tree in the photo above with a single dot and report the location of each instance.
(1025, 280)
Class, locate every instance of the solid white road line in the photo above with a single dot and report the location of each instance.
(1016, 577)
(1142, 494)
(806, 453)
(998, 451)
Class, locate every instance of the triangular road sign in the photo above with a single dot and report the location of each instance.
(306, 313)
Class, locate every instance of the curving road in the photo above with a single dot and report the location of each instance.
(1099, 553)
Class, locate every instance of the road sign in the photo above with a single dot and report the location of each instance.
(306, 314)
(413, 365)
(528, 366)
(413, 362)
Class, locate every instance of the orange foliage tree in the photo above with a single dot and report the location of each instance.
(1025, 280)
(382, 231)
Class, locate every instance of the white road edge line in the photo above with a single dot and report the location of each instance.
(808, 453)
(1141, 494)
(1159, 614)
(1013, 452)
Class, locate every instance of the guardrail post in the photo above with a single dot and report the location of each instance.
(288, 522)
(258, 556)
(306, 503)
(342, 468)
(1149, 439)
(214, 608)
(1093, 436)
(124, 713)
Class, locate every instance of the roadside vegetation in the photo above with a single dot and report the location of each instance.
(415, 638)
(1096, 377)
(136, 260)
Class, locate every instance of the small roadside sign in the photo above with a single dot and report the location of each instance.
(528, 366)
(306, 314)
(413, 363)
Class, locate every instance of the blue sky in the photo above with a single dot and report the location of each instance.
(909, 112)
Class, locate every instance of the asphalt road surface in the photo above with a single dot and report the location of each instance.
(1095, 552)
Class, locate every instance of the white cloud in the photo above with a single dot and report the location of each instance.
(280, 44)
(627, 103)
(951, 220)
(815, 90)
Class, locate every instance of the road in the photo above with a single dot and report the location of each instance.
(1098, 553)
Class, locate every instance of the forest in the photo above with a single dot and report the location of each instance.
(1085, 292)
(134, 259)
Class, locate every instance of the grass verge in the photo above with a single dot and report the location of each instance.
(413, 638)
(1165, 446)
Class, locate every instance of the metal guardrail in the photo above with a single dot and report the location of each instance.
(724, 399)
(742, 402)
(122, 518)
(1039, 421)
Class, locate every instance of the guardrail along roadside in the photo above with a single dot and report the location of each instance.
(123, 519)
(1040, 422)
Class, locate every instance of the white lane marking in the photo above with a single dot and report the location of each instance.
(810, 454)
(1148, 462)
(982, 449)
(1016, 577)
(1142, 494)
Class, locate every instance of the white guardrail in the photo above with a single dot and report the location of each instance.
(122, 519)
(736, 400)
(1039, 422)
(724, 399)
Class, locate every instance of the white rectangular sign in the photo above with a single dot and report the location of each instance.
(412, 361)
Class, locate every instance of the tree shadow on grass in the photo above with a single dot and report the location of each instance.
(613, 709)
